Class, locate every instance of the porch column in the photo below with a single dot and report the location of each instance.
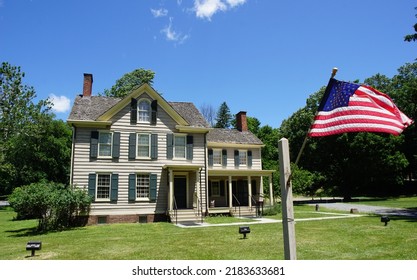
(271, 191)
(197, 190)
(250, 190)
(171, 190)
(230, 193)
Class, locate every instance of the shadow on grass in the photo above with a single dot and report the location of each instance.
(32, 231)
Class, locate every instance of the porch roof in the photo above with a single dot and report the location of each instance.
(183, 167)
(240, 172)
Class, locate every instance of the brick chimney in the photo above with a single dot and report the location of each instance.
(241, 123)
(88, 84)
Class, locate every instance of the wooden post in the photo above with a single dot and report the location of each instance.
(286, 200)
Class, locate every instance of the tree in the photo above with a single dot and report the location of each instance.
(129, 82)
(16, 102)
(412, 37)
(209, 113)
(33, 146)
(224, 118)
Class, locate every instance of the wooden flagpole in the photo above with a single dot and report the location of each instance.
(288, 221)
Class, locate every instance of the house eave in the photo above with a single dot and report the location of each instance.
(192, 129)
(89, 123)
(234, 145)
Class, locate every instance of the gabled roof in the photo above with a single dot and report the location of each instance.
(232, 137)
(100, 109)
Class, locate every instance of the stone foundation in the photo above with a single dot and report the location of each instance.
(113, 219)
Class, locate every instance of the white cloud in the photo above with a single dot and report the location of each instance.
(172, 35)
(60, 104)
(207, 8)
(158, 13)
(234, 3)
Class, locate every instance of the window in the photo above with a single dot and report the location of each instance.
(179, 146)
(142, 186)
(242, 157)
(143, 145)
(104, 144)
(215, 188)
(144, 108)
(103, 186)
(217, 157)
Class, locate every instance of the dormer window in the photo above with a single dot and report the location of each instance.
(144, 110)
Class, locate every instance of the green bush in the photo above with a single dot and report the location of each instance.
(272, 210)
(55, 206)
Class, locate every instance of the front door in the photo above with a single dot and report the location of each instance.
(180, 191)
(240, 192)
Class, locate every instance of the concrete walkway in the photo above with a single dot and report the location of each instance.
(263, 220)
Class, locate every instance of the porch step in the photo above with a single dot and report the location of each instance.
(185, 216)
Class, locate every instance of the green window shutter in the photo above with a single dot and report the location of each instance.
(116, 145)
(154, 146)
(132, 187)
(152, 187)
(94, 144)
(224, 157)
(209, 183)
(210, 157)
(133, 111)
(132, 145)
(170, 146)
(237, 161)
(92, 185)
(190, 145)
(114, 187)
(154, 110)
(249, 158)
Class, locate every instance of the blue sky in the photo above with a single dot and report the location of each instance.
(261, 56)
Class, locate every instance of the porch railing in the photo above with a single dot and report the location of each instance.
(175, 209)
(237, 202)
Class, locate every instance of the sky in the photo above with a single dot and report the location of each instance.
(264, 57)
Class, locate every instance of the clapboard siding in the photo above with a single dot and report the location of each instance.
(83, 165)
(256, 160)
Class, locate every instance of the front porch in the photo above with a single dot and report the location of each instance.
(237, 192)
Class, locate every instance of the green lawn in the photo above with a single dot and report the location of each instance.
(339, 239)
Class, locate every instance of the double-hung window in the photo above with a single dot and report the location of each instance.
(103, 187)
(243, 157)
(142, 186)
(143, 145)
(105, 144)
(144, 110)
(217, 157)
(180, 142)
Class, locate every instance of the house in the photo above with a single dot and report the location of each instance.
(144, 159)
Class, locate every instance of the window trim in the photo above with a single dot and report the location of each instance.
(149, 145)
(96, 198)
(220, 155)
(182, 135)
(99, 144)
(148, 198)
(148, 112)
(240, 157)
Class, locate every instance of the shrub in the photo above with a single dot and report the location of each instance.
(55, 205)
(272, 210)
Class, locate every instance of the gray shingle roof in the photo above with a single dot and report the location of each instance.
(190, 113)
(90, 108)
(232, 136)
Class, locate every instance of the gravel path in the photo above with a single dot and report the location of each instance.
(370, 209)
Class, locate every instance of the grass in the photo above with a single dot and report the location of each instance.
(359, 238)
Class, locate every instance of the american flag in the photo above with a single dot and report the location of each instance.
(348, 107)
